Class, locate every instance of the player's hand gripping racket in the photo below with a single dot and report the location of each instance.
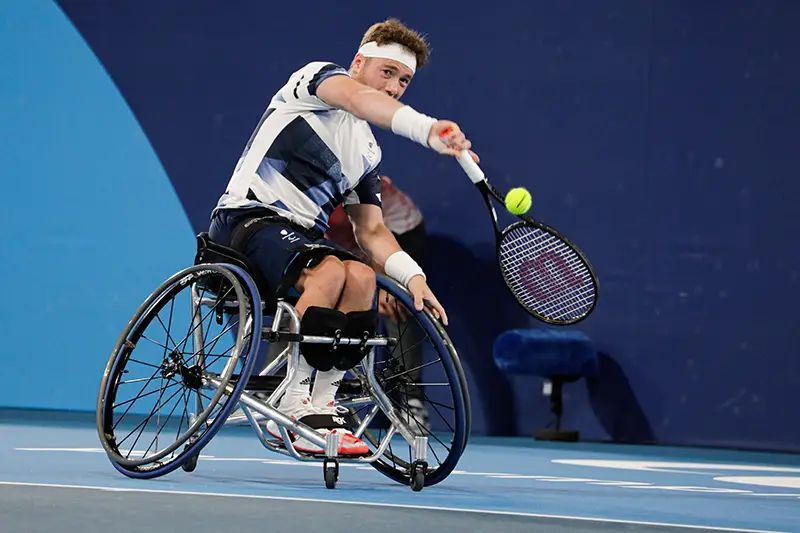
(547, 274)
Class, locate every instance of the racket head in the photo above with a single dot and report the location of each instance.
(549, 276)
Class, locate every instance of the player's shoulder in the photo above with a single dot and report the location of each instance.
(299, 93)
(319, 67)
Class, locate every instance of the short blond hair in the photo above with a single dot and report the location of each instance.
(392, 30)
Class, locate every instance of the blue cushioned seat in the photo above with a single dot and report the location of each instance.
(558, 355)
(546, 353)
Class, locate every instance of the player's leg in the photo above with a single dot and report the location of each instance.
(334, 295)
(319, 279)
(356, 304)
(359, 288)
(286, 260)
(354, 314)
(274, 249)
(320, 287)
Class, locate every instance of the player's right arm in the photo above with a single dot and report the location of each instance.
(384, 111)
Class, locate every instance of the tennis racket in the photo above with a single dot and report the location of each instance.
(548, 275)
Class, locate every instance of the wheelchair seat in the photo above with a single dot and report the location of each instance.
(209, 251)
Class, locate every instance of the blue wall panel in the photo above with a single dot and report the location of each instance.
(90, 221)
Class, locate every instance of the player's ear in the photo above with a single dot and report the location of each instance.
(357, 64)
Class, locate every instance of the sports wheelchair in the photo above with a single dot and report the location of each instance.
(185, 361)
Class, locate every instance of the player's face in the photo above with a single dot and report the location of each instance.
(387, 75)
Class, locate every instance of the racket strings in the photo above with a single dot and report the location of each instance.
(517, 252)
(546, 275)
(551, 282)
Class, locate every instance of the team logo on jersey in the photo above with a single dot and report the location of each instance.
(370, 151)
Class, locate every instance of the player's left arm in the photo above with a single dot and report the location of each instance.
(363, 207)
(386, 256)
(372, 235)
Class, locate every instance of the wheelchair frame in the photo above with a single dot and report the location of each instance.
(372, 392)
(268, 408)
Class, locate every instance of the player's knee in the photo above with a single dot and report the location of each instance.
(332, 271)
(328, 276)
(359, 278)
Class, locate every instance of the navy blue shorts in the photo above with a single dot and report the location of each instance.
(278, 248)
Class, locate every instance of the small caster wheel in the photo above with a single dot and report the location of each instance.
(418, 471)
(330, 469)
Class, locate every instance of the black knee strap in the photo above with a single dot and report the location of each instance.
(322, 322)
(360, 325)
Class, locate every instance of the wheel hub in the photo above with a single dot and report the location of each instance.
(173, 365)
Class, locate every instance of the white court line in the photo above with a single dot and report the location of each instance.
(619, 483)
(771, 494)
(380, 504)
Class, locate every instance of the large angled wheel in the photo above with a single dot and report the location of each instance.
(421, 373)
(156, 408)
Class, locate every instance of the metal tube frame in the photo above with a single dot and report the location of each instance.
(252, 406)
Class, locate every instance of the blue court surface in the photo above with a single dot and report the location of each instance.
(55, 477)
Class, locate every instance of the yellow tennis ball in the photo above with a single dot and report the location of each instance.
(518, 200)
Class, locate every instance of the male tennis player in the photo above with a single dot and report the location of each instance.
(313, 150)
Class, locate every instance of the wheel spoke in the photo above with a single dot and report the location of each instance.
(420, 367)
(219, 301)
(138, 395)
(146, 420)
(167, 328)
(166, 420)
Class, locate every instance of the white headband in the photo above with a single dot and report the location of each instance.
(394, 51)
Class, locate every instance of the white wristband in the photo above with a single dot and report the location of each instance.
(412, 125)
(401, 268)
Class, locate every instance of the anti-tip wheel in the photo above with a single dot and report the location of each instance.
(190, 464)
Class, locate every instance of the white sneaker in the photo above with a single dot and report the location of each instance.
(296, 411)
(331, 416)
(349, 444)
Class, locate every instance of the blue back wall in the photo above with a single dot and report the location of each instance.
(659, 135)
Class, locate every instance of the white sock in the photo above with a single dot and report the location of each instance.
(298, 390)
(325, 386)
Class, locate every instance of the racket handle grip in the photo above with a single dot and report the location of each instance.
(471, 168)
